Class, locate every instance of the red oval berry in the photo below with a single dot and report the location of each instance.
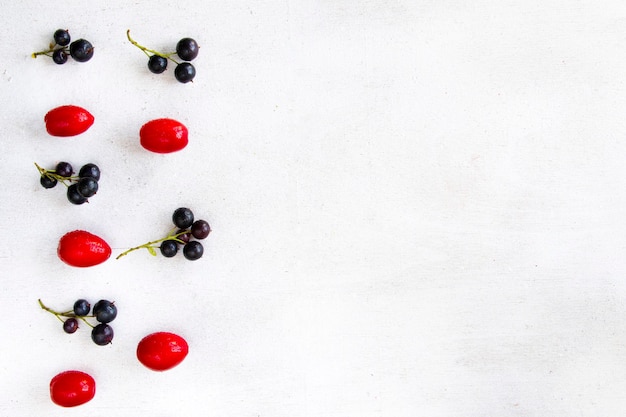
(162, 350)
(68, 121)
(163, 136)
(72, 388)
(82, 249)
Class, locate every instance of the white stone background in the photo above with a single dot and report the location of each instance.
(418, 208)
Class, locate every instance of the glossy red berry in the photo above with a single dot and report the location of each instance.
(82, 249)
(163, 136)
(68, 120)
(162, 350)
(72, 388)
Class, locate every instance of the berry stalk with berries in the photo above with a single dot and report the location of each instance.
(186, 49)
(79, 188)
(186, 229)
(80, 50)
(104, 312)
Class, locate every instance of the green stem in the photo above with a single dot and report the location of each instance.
(150, 244)
(149, 51)
(52, 175)
(47, 52)
(67, 314)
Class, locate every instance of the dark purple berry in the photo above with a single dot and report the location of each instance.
(59, 56)
(187, 49)
(102, 334)
(90, 170)
(182, 217)
(82, 307)
(184, 72)
(193, 250)
(157, 64)
(87, 187)
(200, 229)
(64, 169)
(105, 311)
(184, 235)
(81, 50)
(74, 196)
(70, 325)
(47, 182)
(62, 37)
(169, 248)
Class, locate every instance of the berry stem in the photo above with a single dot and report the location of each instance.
(47, 52)
(149, 51)
(59, 314)
(149, 245)
(52, 175)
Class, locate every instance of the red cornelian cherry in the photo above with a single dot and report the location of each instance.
(83, 249)
(67, 121)
(72, 388)
(161, 351)
(163, 135)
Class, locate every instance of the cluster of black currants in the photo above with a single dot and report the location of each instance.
(187, 50)
(104, 312)
(187, 229)
(79, 188)
(80, 50)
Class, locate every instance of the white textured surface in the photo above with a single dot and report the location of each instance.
(418, 208)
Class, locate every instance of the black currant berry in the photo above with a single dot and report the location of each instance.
(62, 37)
(193, 250)
(70, 325)
(59, 56)
(82, 307)
(64, 169)
(182, 217)
(81, 50)
(87, 187)
(184, 235)
(47, 182)
(102, 334)
(105, 311)
(184, 72)
(187, 49)
(90, 170)
(200, 229)
(74, 196)
(169, 248)
(157, 64)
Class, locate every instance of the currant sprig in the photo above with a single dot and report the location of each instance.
(59, 50)
(64, 315)
(103, 312)
(174, 235)
(149, 52)
(186, 50)
(54, 177)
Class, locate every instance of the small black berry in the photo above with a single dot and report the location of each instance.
(102, 334)
(81, 50)
(62, 37)
(193, 250)
(185, 72)
(187, 49)
(169, 248)
(157, 64)
(59, 56)
(182, 217)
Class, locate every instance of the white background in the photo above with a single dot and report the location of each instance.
(418, 207)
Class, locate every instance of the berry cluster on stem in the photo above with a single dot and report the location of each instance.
(186, 49)
(104, 312)
(79, 188)
(187, 228)
(80, 50)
